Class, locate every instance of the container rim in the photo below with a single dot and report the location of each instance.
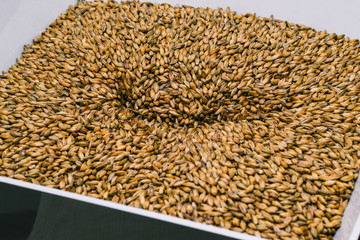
(129, 209)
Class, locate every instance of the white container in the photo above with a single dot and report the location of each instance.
(21, 21)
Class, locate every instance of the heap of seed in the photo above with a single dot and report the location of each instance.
(243, 122)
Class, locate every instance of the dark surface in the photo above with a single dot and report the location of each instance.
(18, 209)
(62, 218)
(16, 199)
(16, 226)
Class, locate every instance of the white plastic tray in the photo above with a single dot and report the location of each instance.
(22, 20)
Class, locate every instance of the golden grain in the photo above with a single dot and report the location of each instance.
(243, 122)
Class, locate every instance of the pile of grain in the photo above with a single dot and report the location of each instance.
(243, 122)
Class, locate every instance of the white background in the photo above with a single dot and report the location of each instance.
(22, 20)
